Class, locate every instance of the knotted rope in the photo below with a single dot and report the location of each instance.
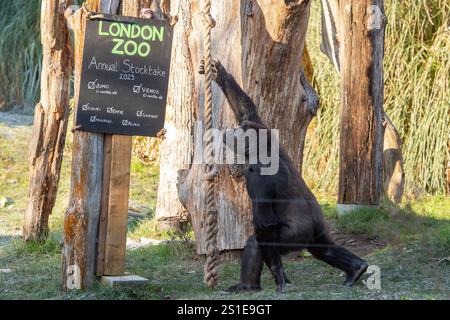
(212, 254)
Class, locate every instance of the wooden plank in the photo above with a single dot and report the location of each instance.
(113, 239)
(118, 206)
(123, 281)
(103, 225)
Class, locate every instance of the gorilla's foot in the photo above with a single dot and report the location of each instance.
(353, 277)
(243, 287)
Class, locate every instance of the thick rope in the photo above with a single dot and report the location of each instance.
(212, 254)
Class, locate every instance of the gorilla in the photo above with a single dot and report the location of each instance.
(286, 214)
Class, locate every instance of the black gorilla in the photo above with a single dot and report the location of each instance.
(286, 215)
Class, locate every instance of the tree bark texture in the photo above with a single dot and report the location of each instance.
(261, 44)
(362, 90)
(394, 179)
(50, 120)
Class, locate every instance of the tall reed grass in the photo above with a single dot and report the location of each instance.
(20, 54)
(417, 99)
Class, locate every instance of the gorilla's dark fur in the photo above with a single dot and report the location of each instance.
(286, 215)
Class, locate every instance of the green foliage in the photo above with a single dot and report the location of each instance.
(417, 97)
(442, 237)
(20, 53)
(51, 246)
(364, 221)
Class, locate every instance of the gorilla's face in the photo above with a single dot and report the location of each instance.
(237, 150)
(245, 146)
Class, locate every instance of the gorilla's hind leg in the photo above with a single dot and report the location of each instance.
(251, 268)
(339, 257)
(273, 260)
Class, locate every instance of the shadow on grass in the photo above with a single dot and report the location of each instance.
(399, 226)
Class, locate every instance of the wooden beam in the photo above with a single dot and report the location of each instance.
(81, 221)
(116, 233)
(103, 224)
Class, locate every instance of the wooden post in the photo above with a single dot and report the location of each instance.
(116, 182)
(362, 86)
(82, 217)
(50, 120)
(95, 225)
(117, 222)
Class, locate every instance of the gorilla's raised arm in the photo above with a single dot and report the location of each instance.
(243, 107)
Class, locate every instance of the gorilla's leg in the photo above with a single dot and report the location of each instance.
(339, 257)
(251, 268)
(268, 238)
(273, 260)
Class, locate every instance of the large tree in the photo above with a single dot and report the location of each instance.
(261, 43)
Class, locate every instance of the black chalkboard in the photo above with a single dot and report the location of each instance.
(125, 76)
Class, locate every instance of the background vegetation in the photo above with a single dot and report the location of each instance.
(417, 96)
(20, 54)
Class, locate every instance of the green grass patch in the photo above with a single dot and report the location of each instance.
(364, 221)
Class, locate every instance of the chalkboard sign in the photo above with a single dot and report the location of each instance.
(125, 76)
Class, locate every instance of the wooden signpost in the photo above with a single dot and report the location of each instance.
(122, 67)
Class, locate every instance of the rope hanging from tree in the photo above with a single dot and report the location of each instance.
(212, 254)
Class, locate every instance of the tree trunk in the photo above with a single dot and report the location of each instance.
(177, 149)
(50, 120)
(394, 178)
(362, 90)
(82, 217)
(261, 44)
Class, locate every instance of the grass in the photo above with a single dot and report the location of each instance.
(414, 258)
(20, 54)
(412, 263)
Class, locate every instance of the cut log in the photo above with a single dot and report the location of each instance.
(362, 90)
(261, 43)
(50, 120)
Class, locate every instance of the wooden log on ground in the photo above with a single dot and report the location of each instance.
(50, 120)
(394, 176)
